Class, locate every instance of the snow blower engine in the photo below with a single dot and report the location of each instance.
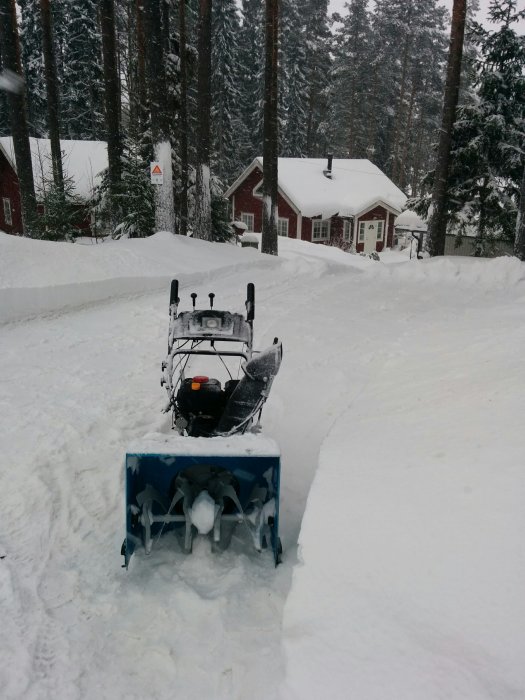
(215, 470)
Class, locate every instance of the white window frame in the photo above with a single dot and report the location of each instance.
(380, 230)
(251, 217)
(362, 231)
(322, 224)
(283, 223)
(347, 230)
(8, 212)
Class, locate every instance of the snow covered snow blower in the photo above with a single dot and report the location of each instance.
(214, 471)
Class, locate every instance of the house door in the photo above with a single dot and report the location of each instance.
(371, 230)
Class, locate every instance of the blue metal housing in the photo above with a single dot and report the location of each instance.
(156, 472)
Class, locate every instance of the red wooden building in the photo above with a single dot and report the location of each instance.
(83, 161)
(345, 202)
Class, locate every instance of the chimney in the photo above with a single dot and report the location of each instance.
(328, 172)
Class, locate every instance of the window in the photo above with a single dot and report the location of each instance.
(347, 230)
(361, 232)
(248, 219)
(380, 230)
(8, 215)
(282, 227)
(320, 230)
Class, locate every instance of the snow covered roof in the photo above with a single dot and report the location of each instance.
(355, 186)
(410, 221)
(82, 160)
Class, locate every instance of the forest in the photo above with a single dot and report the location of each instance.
(364, 83)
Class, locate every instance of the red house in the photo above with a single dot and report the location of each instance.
(344, 202)
(83, 161)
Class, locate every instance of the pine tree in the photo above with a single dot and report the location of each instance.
(160, 118)
(112, 106)
(271, 145)
(437, 224)
(53, 109)
(202, 208)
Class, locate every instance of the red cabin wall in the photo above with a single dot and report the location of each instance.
(9, 189)
(377, 214)
(246, 202)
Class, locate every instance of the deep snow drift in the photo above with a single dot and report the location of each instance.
(397, 409)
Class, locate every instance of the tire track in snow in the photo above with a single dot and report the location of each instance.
(104, 395)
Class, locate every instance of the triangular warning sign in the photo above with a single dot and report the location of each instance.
(156, 171)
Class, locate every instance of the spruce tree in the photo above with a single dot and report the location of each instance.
(293, 90)
(82, 87)
(317, 70)
(33, 65)
(225, 119)
(348, 101)
(251, 79)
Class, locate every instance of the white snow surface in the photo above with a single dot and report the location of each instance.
(83, 161)
(410, 221)
(398, 413)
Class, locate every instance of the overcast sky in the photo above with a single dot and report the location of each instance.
(338, 6)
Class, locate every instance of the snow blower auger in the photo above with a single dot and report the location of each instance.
(215, 470)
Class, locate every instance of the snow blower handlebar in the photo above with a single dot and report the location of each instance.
(249, 303)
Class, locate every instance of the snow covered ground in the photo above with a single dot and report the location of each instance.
(397, 410)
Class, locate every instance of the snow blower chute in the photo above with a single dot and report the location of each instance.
(214, 471)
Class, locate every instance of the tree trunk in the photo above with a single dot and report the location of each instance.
(183, 119)
(202, 220)
(18, 116)
(270, 144)
(112, 104)
(519, 243)
(53, 109)
(438, 220)
(159, 116)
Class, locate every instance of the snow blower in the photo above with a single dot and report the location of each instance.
(215, 471)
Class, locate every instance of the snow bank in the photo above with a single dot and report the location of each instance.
(410, 582)
(39, 277)
(463, 272)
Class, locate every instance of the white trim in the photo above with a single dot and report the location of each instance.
(247, 214)
(233, 208)
(321, 221)
(249, 170)
(347, 223)
(283, 219)
(386, 231)
(8, 211)
(254, 164)
(299, 226)
(378, 203)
